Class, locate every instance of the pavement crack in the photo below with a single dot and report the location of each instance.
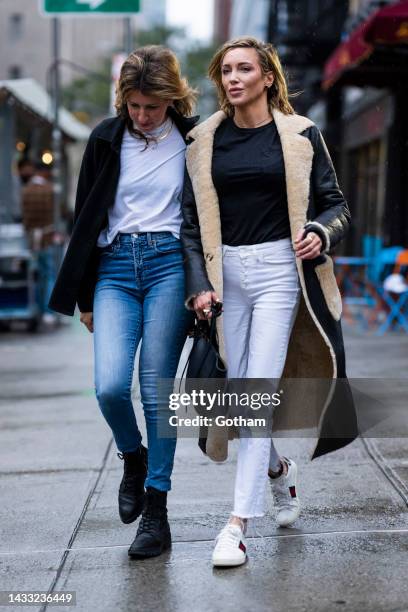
(390, 474)
(78, 524)
(306, 534)
(41, 472)
(42, 396)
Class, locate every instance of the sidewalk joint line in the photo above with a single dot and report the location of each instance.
(306, 534)
(390, 474)
(74, 534)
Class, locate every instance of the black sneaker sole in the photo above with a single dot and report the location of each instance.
(150, 552)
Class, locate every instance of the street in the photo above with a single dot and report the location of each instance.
(60, 528)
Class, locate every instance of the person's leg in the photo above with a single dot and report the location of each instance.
(165, 325)
(237, 327)
(271, 285)
(274, 290)
(274, 314)
(117, 331)
(48, 256)
(230, 545)
(237, 312)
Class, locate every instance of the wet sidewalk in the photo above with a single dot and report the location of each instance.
(60, 529)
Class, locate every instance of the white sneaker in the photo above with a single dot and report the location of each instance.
(230, 547)
(285, 495)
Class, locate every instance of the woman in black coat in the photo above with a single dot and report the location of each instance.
(124, 269)
(262, 208)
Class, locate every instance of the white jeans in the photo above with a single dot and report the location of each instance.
(261, 298)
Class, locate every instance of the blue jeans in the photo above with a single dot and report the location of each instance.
(47, 276)
(139, 296)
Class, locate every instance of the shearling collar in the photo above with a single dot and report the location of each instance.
(288, 124)
(297, 155)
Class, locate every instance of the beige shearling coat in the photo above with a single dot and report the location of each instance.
(315, 352)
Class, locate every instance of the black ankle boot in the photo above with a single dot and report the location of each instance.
(153, 535)
(131, 491)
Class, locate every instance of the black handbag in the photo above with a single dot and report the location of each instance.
(204, 361)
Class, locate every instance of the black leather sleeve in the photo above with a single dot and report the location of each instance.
(86, 289)
(332, 218)
(87, 176)
(190, 235)
(86, 180)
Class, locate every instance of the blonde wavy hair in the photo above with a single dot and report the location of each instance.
(277, 95)
(154, 70)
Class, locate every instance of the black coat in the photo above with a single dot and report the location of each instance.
(321, 398)
(97, 184)
(327, 212)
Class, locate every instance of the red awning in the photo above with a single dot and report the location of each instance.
(387, 26)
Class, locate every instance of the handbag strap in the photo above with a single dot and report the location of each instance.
(211, 338)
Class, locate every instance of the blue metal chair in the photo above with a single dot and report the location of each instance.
(385, 259)
(351, 273)
(372, 246)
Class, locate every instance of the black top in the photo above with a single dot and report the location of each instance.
(249, 176)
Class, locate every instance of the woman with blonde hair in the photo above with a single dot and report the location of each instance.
(124, 269)
(262, 207)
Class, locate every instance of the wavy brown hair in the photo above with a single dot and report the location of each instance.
(154, 70)
(277, 95)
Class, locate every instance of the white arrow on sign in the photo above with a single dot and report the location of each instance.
(93, 4)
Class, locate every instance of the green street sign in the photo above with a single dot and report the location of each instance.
(79, 7)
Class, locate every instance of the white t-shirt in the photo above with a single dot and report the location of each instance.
(148, 196)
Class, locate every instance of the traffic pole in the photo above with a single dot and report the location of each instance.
(56, 130)
(57, 246)
(128, 42)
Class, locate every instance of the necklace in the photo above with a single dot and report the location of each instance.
(161, 135)
(164, 133)
(252, 126)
